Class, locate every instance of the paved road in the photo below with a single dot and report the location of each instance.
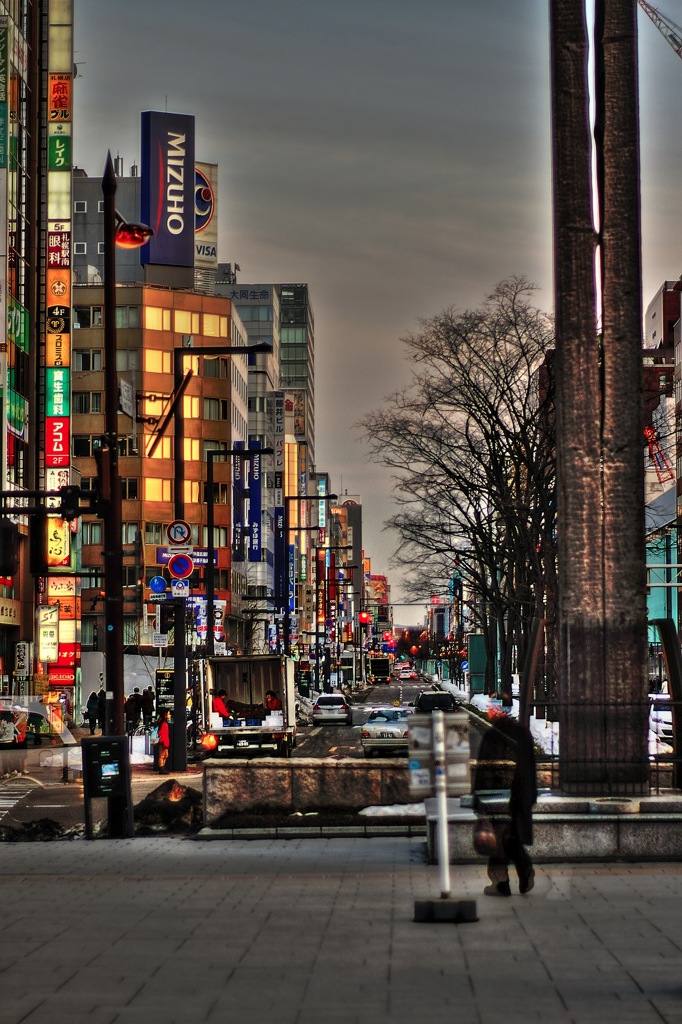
(304, 931)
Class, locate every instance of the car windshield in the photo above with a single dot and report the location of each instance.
(388, 715)
(330, 702)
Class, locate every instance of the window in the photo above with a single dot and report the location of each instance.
(127, 316)
(192, 449)
(191, 492)
(190, 405)
(154, 534)
(80, 248)
(186, 322)
(221, 493)
(87, 359)
(80, 206)
(87, 316)
(85, 402)
(127, 445)
(220, 537)
(157, 489)
(131, 576)
(130, 630)
(100, 206)
(164, 449)
(128, 359)
(156, 318)
(215, 409)
(100, 248)
(156, 361)
(92, 533)
(129, 487)
(214, 366)
(83, 445)
(128, 533)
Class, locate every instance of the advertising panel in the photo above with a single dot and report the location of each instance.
(206, 215)
(57, 441)
(238, 505)
(255, 504)
(279, 448)
(4, 92)
(48, 633)
(167, 188)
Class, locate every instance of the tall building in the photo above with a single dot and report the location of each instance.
(36, 56)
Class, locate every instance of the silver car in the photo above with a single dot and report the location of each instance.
(332, 709)
(385, 730)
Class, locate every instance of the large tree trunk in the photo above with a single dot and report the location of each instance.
(626, 730)
(582, 669)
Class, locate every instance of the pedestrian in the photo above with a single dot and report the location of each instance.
(219, 707)
(133, 710)
(163, 745)
(92, 711)
(147, 707)
(102, 713)
(506, 761)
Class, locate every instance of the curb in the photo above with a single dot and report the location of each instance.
(312, 832)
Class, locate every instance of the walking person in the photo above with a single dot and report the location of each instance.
(92, 711)
(147, 707)
(163, 744)
(102, 713)
(506, 761)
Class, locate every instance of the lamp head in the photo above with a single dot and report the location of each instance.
(132, 236)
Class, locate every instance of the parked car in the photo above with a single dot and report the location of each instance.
(332, 709)
(435, 700)
(406, 672)
(661, 717)
(385, 730)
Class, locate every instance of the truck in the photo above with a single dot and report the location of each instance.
(380, 670)
(251, 727)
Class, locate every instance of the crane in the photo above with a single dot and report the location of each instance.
(668, 29)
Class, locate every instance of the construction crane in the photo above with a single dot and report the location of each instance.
(668, 29)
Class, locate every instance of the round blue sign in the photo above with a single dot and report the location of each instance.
(157, 585)
(464, 666)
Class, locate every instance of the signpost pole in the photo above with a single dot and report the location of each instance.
(440, 776)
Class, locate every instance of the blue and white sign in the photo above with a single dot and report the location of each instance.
(167, 187)
(464, 666)
(157, 585)
(180, 588)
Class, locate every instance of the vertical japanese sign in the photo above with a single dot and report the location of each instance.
(238, 505)
(255, 503)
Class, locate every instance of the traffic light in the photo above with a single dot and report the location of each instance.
(103, 462)
(9, 548)
(167, 616)
(37, 545)
(70, 502)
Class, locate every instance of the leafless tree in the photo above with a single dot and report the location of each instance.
(470, 441)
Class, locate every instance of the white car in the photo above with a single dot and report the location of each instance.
(661, 717)
(385, 730)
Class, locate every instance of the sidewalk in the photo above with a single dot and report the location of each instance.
(303, 931)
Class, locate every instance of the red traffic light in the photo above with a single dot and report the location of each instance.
(414, 650)
(364, 618)
(387, 635)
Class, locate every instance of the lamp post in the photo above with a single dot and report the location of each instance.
(131, 236)
(116, 232)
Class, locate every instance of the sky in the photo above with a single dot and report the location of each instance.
(394, 156)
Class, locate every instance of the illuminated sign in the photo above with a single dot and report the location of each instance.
(57, 441)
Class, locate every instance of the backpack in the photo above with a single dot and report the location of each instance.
(154, 734)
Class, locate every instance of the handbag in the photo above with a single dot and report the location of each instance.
(485, 838)
(154, 735)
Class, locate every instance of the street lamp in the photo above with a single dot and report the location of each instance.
(116, 232)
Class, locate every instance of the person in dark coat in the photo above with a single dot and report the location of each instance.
(506, 761)
(102, 714)
(92, 711)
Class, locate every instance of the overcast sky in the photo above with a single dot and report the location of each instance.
(393, 155)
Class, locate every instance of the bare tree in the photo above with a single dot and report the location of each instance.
(470, 442)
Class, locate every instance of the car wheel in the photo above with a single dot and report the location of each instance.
(369, 752)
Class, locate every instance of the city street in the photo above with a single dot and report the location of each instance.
(172, 930)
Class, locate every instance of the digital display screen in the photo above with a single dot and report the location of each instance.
(110, 770)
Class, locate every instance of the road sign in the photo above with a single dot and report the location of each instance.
(158, 597)
(180, 588)
(160, 640)
(178, 532)
(464, 666)
(157, 585)
(180, 567)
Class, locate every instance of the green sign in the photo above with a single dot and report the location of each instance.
(59, 153)
(58, 387)
(17, 324)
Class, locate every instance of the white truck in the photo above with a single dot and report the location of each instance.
(252, 726)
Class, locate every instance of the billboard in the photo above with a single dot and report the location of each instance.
(206, 215)
(167, 188)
